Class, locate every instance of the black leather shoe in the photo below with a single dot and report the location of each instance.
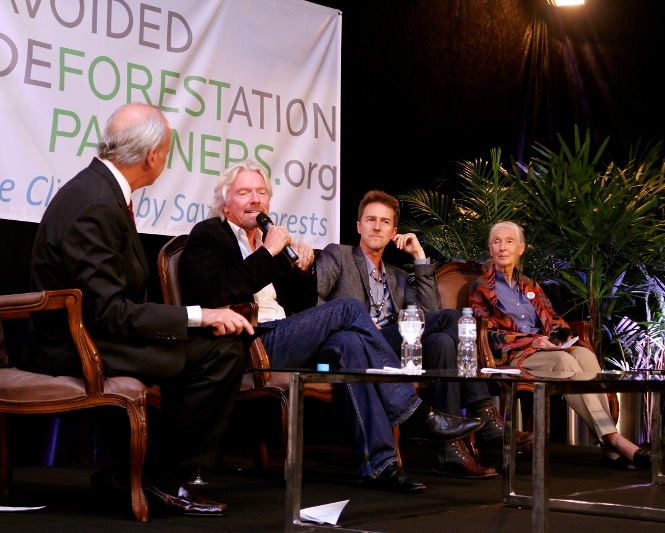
(187, 503)
(394, 479)
(642, 458)
(620, 463)
(440, 427)
(113, 483)
(456, 461)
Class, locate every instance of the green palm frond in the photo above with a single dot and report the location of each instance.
(590, 225)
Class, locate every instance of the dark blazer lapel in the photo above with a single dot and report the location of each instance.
(114, 186)
(138, 248)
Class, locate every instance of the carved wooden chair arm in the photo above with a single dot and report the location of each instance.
(257, 352)
(250, 310)
(20, 306)
(485, 357)
(581, 328)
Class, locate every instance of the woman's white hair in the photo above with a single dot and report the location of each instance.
(504, 224)
(507, 224)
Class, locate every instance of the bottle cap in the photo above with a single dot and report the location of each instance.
(323, 367)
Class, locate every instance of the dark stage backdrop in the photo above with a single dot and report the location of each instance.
(429, 82)
(426, 83)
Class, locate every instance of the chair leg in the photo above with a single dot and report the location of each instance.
(396, 436)
(261, 448)
(613, 399)
(5, 469)
(138, 447)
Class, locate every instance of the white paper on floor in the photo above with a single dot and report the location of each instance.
(15, 509)
(323, 514)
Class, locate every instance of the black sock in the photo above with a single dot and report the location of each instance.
(418, 416)
(475, 406)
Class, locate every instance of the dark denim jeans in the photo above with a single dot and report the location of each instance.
(343, 329)
(440, 351)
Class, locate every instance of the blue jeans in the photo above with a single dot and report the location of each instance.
(342, 330)
(440, 351)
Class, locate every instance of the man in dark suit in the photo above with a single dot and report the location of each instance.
(359, 272)
(225, 261)
(87, 239)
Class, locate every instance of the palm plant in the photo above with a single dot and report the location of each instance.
(641, 343)
(455, 229)
(600, 222)
(594, 227)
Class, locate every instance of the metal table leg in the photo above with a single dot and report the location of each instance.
(509, 455)
(539, 499)
(293, 467)
(540, 461)
(656, 440)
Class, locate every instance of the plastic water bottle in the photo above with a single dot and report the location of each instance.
(467, 350)
(412, 356)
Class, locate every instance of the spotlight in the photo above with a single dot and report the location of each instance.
(562, 3)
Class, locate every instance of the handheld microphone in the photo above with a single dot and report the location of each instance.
(387, 320)
(265, 223)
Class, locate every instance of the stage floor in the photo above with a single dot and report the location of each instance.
(256, 500)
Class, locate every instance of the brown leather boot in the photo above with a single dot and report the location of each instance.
(490, 435)
(456, 461)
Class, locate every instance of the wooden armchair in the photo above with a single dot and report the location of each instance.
(453, 282)
(254, 384)
(25, 393)
(259, 384)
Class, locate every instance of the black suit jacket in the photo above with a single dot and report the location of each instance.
(213, 272)
(87, 239)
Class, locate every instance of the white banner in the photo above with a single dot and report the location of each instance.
(237, 79)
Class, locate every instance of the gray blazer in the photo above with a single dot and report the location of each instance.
(342, 273)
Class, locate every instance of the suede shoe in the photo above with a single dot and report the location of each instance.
(456, 461)
(393, 479)
(440, 427)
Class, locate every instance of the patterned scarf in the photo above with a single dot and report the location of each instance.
(505, 339)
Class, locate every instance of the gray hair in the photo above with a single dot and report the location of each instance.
(220, 195)
(507, 224)
(131, 132)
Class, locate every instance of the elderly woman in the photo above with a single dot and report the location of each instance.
(525, 329)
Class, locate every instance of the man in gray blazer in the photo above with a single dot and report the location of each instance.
(359, 272)
(87, 239)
